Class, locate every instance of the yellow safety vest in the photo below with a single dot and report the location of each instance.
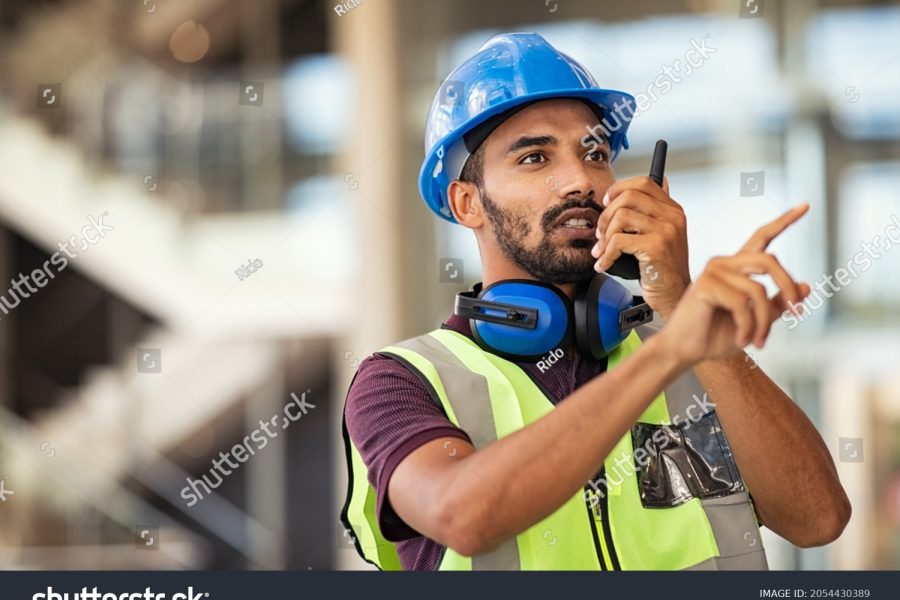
(625, 525)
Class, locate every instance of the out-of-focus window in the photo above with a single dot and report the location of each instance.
(320, 209)
(869, 207)
(319, 103)
(853, 55)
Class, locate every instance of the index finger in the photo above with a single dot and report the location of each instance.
(760, 240)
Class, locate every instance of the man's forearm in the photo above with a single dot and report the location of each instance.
(532, 472)
(781, 456)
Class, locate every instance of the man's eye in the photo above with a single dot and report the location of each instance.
(533, 158)
(598, 155)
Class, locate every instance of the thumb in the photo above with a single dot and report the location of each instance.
(665, 185)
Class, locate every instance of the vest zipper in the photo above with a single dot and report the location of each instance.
(601, 513)
(598, 509)
(607, 531)
(593, 516)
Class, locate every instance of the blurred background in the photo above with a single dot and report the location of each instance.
(254, 167)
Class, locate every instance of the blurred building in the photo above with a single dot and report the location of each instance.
(254, 165)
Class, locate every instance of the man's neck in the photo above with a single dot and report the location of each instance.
(500, 273)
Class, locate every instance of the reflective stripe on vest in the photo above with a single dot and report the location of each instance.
(489, 397)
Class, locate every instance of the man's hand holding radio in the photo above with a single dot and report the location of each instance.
(640, 218)
(724, 310)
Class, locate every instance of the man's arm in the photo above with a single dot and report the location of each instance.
(473, 501)
(389, 413)
(453, 497)
(781, 457)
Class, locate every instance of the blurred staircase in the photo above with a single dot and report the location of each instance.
(157, 280)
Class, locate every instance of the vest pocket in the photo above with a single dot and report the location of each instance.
(677, 463)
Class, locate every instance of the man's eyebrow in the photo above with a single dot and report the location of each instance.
(594, 139)
(525, 141)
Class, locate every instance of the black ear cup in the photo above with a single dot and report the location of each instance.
(605, 313)
(587, 334)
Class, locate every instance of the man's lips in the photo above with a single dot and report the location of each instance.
(577, 218)
(577, 224)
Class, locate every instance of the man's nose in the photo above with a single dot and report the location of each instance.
(574, 180)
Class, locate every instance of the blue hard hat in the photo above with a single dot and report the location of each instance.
(509, 71)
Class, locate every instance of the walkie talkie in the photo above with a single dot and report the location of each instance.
(626, 266)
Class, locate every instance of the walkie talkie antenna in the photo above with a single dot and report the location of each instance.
(658, 164)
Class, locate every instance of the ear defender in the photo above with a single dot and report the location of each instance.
(524, 320)
(605, 312)
(517, 319)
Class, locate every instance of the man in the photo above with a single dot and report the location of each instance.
(508, 157)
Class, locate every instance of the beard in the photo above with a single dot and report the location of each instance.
(550, 262)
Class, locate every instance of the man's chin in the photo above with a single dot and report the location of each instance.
(581, 244)
(579, 263)
(562, 239)
(559, 263)
(578, 252)
(574, 273)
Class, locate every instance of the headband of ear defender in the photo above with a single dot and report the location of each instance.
(524, 320)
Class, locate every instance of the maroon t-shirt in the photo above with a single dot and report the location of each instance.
(389, 413)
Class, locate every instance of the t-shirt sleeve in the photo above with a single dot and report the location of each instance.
(389, 413)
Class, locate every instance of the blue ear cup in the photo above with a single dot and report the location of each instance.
(605, 312)
(518, 319)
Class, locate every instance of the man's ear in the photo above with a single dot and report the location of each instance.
(465, 203)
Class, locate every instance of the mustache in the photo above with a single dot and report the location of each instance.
(553, 213)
